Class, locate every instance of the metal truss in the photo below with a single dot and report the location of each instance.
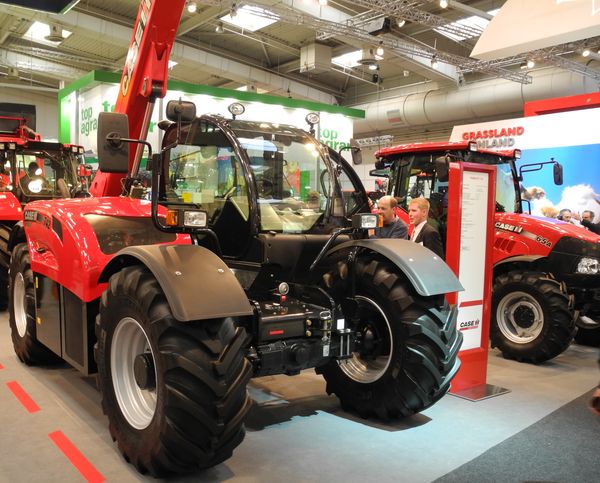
(399, 47)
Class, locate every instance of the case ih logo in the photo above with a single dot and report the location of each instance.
(507, 227)
(469, 324)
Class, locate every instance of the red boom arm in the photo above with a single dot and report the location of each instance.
(144, 78)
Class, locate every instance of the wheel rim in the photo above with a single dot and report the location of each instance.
(363, 369)
(137, 405)
(20, 304)
(520, 317)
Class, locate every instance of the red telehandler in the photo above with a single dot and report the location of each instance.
(546, 272)
(30, 169)
(230, 272)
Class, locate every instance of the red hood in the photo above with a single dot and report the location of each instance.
(547, 227)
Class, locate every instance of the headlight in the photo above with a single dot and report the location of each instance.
(194, 219)
(588, 266)
(366, 221)
(35, 186)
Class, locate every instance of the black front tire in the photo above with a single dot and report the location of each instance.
(532, 316)
(410, 344)
(3, 289)
(22, 311)
(186, 411)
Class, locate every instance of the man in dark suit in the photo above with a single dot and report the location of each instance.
(423, 233)
(587, 220)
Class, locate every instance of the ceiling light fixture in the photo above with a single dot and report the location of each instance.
(373, 67)
(444, 3)
(219, 29)
(322, 2)
(192, 7)
(530, 64)
(523, 65)
(401, 22)
(233, 10)
(586, 52)
(434, 62)
(379, 50)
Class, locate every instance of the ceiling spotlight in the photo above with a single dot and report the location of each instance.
(530, 64)
(192, 7)
(233, 10)
(434, 62)
(444, 3)
(219, 29)
(379, 50)
(523, 65)
(373, 67)
(401, 22)
(322, 2)
(586, 52)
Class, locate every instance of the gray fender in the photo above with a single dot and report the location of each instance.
(196, 282)
(428, 274)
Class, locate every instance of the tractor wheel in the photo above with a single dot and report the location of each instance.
(588, 331)
(22, 314)
(532, 316)
(174, 393)
(3, 288)
(407, 345)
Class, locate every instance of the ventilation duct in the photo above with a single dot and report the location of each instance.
(468, 104)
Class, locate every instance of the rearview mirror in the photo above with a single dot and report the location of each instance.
(356, 152)
(441, 168)
(113, 153)
(183, 111)
(558, 174)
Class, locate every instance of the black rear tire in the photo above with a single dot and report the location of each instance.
(3, 289)
(532, 316)
(588, 334)
(411, 344)
(186, 412)
(22, 311)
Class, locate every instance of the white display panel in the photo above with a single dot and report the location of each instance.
(473, 238)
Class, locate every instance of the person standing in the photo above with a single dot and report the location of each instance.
(587, 221)
(393, 227)
(423, 233)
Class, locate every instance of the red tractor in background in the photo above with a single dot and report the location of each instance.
(234, 269)
(546, 272)
(30, 169)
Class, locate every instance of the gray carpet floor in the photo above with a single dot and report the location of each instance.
(543, 452)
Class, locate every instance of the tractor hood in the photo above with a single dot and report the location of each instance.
(549, 228)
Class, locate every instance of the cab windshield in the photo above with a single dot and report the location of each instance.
(291, 175)
(40, 173)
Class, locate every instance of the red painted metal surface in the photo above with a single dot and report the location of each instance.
(74, 259)
(561, 104)
(144, 76)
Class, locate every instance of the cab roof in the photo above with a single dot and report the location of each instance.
(435, 147)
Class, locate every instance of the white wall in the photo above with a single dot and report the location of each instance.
(46, 108)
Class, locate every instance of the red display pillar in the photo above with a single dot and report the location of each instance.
(469, 243)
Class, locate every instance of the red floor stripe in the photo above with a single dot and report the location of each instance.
(76, 458)
(23, 397)
(1, 366)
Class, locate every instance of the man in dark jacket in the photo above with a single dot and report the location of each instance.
(587, 220)
(423, 233)
(393, 227)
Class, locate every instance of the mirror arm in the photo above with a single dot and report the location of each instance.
(534, 167)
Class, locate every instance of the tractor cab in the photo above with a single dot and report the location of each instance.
(39, 170)
(262, 186)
